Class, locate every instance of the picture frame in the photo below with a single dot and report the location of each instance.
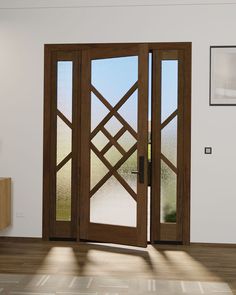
(222, 76)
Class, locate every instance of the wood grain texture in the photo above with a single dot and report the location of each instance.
(5, 202)
(81, 55)
(194, 263)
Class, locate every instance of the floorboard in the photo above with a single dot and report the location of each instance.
(100, 269)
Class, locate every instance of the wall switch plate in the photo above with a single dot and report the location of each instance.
(208, 150)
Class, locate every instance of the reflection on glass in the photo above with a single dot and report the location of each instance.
(126, 169)
(169, 88)
(126, 141)
(113, 155)
(113, 126)
(169, 141)
(98, 111)
(129, 111)
(168, 194)
(64, 88)
(113, 77)
(100, 140)
(112, 204)
(63, 140)
(63, 193)
(97, 170)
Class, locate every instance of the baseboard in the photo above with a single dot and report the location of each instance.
(37, 240)
(216, 245)
(20, 239)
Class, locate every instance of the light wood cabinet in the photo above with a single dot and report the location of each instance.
(5, 202)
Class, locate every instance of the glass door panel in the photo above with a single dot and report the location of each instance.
(64, 140)
(113, 202)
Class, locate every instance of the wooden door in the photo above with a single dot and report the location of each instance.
(114, 134)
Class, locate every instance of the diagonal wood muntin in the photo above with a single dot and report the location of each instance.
(64, 161)
(115, 173)
(64, 119)
(116, 137)
(69, 156)
(113, 169)
(113, 140)
(113, 110)
(163, 157)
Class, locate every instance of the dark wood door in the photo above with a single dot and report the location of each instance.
(114, 137)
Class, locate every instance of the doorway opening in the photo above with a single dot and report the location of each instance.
(117, 143)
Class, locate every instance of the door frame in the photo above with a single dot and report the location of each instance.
(52, 49)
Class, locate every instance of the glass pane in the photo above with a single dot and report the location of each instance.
(113, 155)
(113, 77)
(126, 141)
(168, 194)
(169, 88)
(169, 141)
(126, 169)
(112, 204)
(113, 126)
(100, 141)
(98, 111)
(129, 111)
(64, 88)
(63, 140)
(97, 170)
(63, 200)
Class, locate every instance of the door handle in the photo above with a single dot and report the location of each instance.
(140, 172)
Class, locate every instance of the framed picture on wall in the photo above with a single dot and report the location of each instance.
(222, 75)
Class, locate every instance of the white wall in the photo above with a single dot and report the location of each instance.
(24, 31)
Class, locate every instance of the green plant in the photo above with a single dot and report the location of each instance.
(170, 216)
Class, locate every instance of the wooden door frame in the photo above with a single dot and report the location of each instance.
(49, 50)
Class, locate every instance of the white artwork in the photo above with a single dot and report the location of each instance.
(223, 75)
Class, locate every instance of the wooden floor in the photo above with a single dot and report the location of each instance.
(193, 263)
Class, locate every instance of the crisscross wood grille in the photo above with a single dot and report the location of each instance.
(113, 140)
(67, 158)
(163, 157)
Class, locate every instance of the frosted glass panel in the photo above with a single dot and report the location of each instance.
(169, 88)
(113, 155)
(129, 111)
(100, 141)
(112, 204)
(97, 170)
(98, 111)
(168, 194)
(63, 140)
(113, 126)
(126, 169)
(126, 141)
(169, 141)
(113, 77)
(63, 199)
(64, 88)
